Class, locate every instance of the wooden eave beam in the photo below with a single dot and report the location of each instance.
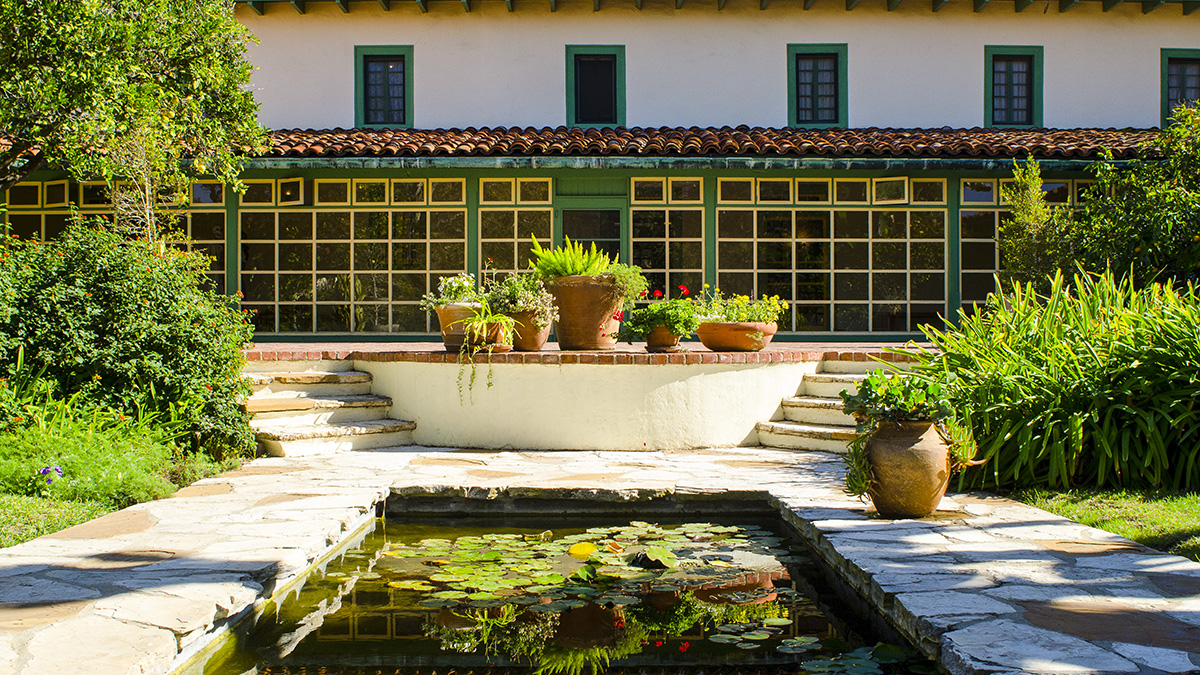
(299, 5)
(466, 5)
(1189, 7)
(343, 5)
(1151, 5)
(637, 4)
(808, 4)
(851, 4)
(595, 5)
(1064, 5)
(678, 4)
(762, 4)
(424, 6)
(553, 5)
(256, 6)
(892, 5)
(1110, 5)
(1021, 5)
(979, 5)
(386, 5)
(508, 4)
(938, 4)
(720, 5)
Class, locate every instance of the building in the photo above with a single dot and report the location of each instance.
(847, 157)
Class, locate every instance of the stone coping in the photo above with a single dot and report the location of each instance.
(435, 352)
(986, 585)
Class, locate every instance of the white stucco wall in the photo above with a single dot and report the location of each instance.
(698, 66)
(587, 407)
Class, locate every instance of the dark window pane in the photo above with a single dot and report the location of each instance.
(850, 286)
(534, 190)
(258, 287)
(496, 224)
(408, 256)
(648, 191)
(889, 255)
(889, 286)
(737, 191)
(687, 255)
(294, 225)
(735, 224)
(408, 225)
(333, 318)
(295, 288)
(687, 224)
(587, 225)
(979, 191)
(776, 283)
(685, 191)
(370, 287)
(978, 255)
(812, 286)
(447, 256)
(850, 255)
(890, 224)
(499, 255)
(920, 315)
(333, 225)
(208, 226)
(737, 255)
(812, 255)
(850, 318)
(774, 255)
(928, 286)
(384, 78)
(295, 318)
(774, 190)
(924, 255)
(263, 317)
(595, 89)
(408, 192)
(927, 191)
(812, 318)
(258, 256)
(736, 283)
(534, 224)
(812, 225)
(1012, 89)
(408, 286)
(812, 191)
(447, 225)
(851, 191)
(371, 225)
(649, 224)
(295, 256)
(333, 192)
(408, 319)
(371, 256)
(850, 224)
(888, 318)
(25, 226)
(333, 287)
(333, 256)
(774, 224)
(258, 225)
(977, 224)
(446, 191)
(975, 287)
(208, 193)
(816, 88)
(650, 254)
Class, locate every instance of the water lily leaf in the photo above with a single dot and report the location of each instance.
(550, 579)
(445, 578)
(734, 627)
(449, 595)
(526, 599)
(411, 585)
(437, 602)
(539, 588)
(795, 648)
(748, 645)
(662, 555)
(483, 595)
(542, 536)
(620, 600)
(756, 635)
(585, 573)
(778, 621)
(582, 551)
(724, 638)
(369, 575)
(885, 653)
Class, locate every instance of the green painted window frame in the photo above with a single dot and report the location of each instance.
(616, 51)
(1166, 56)
(360, 113)
(1036, 89)
(841, 51)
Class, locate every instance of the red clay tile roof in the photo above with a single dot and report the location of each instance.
(696, 141)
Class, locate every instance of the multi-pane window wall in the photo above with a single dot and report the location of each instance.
(358, 261)
(848, 255)
(816, 88)
(1012, 90)
(982, 213)
(512, 212)
(42, 210)
(667, 232)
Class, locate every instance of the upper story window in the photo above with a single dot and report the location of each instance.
(383, 86)
(1013, 87)
(1181, 79)
(595, 85)
(817, 85)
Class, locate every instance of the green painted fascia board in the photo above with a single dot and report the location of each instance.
(617, 51)
(1165, 57)
(953, 250)
(233, 258)
(1036, 52)
(665, 163)
(842, 52)
(360, 113)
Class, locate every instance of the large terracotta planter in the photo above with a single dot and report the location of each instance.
(662, 340)
(587, 306)
(526, 336)
(911, 467)
(449, 317)
(736, 336)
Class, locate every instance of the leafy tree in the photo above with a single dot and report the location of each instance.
(1142, 218)
(147, 92)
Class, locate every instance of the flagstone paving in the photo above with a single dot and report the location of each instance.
(987, 585)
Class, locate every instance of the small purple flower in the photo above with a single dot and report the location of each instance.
(48, 470)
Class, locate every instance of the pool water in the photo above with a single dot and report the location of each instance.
(421, 596)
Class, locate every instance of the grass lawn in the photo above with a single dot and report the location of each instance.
(1162, 520)
(24, 518)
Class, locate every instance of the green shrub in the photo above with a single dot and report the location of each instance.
(127, 325)
(680, 316)
(1094, 383)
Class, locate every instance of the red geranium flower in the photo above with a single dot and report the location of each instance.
(683, 289)
(657, 293)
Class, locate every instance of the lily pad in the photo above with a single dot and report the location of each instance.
(446, 578)
(756, 635)
(748, 645)
(725, 638)
(449, 595)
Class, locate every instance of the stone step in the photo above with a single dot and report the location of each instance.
(852, 367)
(830, 385)
(295, 440)
(324, 365)
(303, 384)
(816, 410)
(796, 436)
(305, 410)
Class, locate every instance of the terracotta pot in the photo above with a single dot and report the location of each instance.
(662, 340)
(493, 341)
(526, 336)
(448, 318)
(911, 466)
(586, 306)
(736, 336)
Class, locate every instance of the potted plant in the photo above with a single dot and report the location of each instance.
(590, 291)
(663, 324)
(899, 458)
(485, 330)
(737, 323)
(523, 297)
(456, 299)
